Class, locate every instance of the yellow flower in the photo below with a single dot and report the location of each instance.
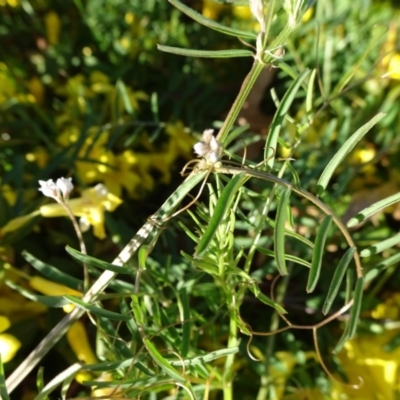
(93, 150)
(36, 89)
(11, 3)
(129, 18)
(98, 164)
(211, 9)
(50, 288)
(100, 82)
(281, 373)
(307, 15)
(7, 84)
(121, 174)
(9, 194)
(79, 342)
(52, 23)
(390, 309)
(364, 156)
(305, 394)
(90, 207)
(242, 12)
(393, 70)
(16, 307)
(76, 93)
(366, 358)
(9, 89)
(105, 392)
(16, 223)
(133, 96)
(39, 155)
(143, 168)
(181, 142)
(391, 60)
(9, 345)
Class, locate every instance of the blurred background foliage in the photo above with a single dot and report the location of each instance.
(84, 92)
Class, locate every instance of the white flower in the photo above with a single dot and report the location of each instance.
(49, 189)
(209, 147)
(58, 191)
(66, 186)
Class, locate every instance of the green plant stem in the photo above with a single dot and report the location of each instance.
(245, 89)
(82, 244)
(266, 378)
(233, 341)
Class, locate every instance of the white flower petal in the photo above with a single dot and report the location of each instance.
(213, 157)
(201, 149)
(84, 224)
(207, 135)
(50, 189)
(214, 144)
(65, 185)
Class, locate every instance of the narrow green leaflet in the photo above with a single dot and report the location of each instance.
(122, 91)
(293, 234)
(309, 97)
(343, 339)
(355, 310)
(186, 324)
(49, 301)
(351, 324)
(58, 380)
(318, 253)
(112, 365)
(288, 257)
(266, 300)
(212, 24)
(101, 312)
(142, 257)
(40, 379)
(205, 265)
(374, 208)
(375, 271)
(199, 360)
(381, 246)
(205, 53)
(162, 362)
(52, 273)
(279, 117)
(337, 279)
(97, 263)
(344, 151)
(223, 204)
(137, 311)
(279, 232)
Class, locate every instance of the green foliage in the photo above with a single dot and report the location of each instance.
(209, 299)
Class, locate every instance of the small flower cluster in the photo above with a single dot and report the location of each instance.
(59, 191)
(209, 148)
(90, 207)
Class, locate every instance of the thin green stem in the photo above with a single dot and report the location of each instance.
(233, 341)
(82, 244)
(245, 89)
